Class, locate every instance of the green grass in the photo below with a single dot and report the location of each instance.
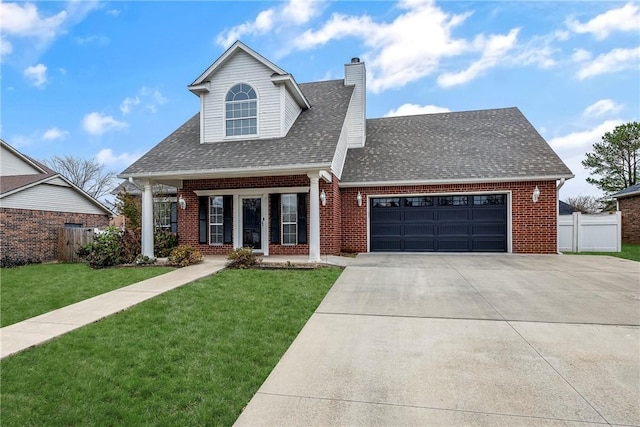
(35, 289)
(628, 251)
(191, 357)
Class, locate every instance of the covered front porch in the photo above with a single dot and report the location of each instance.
(274, 215)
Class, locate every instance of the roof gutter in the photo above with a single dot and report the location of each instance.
(454, 181)
(231, 172)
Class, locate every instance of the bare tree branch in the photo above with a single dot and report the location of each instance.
(87, 174)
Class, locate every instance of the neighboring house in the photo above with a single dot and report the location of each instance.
(165, 212)
(565, 208)
(629, 204)
(289, 168)
(35, 202)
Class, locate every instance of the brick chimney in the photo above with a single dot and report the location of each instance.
(356, 74)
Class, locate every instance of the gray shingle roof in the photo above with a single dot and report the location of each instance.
(497, 144)
(627, 192)
(312, 140)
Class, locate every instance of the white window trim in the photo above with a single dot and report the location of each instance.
(210, 224)
(224, 114)
(283, 223)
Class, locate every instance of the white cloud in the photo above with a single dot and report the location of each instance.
(152, 98)
(113, 12)
(622, 19)
(19, 141)
(54, 133)
(601, 108)
(572, 148)
(25, 20)
(398, 53)
(5, 47)
(494, 48)
(97, 123)
(615, 60)
(581, 55)
(291, 13)
(148, 98)
(37, 74)
(414, 109)
(98, 40)
(107, 157)
(128, 104)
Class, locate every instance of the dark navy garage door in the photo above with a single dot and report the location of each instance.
(469, 223)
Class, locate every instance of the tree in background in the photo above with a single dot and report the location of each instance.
(614, 160)
(87, 174)
(585, 204)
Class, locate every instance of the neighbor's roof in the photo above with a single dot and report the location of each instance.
(486, 145)
(126, 186)
(311, 141)
(634, 190)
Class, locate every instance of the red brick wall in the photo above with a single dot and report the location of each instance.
(534, 225)
(330, 214)
(343, 224)
(34, 234)
(630, 208)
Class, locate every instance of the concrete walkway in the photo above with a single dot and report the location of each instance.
(441, 340)
(40, 329)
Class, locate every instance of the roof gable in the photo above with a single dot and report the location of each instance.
(15, 163)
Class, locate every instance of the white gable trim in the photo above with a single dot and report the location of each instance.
(238, 45)
(293, 88)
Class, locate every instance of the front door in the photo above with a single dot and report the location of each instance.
(252, 223)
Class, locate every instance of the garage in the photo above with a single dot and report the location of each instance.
(443, 223)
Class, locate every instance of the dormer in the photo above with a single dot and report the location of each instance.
(245, 96)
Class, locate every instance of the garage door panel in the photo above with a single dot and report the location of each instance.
(419, 215)
(419, 230)
(453, 230)
(452, 215)
(419, 245)
(418, 224)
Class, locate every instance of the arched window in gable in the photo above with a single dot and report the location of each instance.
(241, 111)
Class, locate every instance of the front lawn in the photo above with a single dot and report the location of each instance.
(35, 289)
(191, 357)
(628, 251)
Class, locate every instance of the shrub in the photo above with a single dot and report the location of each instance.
(130, 245)
(243, 258)
(184, 255)
(163, 242)
(8, 261)
(144, 260)
(105, 250)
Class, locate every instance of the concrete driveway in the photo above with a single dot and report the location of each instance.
(431, 339)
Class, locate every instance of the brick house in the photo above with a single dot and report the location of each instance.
(629, 204)
(35, 202)
(289, 168)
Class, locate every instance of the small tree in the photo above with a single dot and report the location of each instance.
(614, 160)
(585, 204)
(130, 207)
(87, 174)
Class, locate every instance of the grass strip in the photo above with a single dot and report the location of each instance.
(36, 289)
(629, 251)
(193, 356)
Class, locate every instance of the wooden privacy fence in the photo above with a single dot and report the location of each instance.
(70, 239)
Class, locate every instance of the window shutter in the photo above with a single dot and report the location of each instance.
(302, 218)
(203, 211)
(174, 217)
(275, 218)
(227, 218)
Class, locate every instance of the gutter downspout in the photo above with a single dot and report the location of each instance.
(558, 187)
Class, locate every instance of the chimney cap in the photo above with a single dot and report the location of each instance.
(355, 60)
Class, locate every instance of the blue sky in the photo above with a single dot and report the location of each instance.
(108, 79)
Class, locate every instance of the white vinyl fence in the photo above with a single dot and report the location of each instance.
(589, 233)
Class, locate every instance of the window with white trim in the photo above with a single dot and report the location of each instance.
(241, 111)
(289, 219)
(216, 225)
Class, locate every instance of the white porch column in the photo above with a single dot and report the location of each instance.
(147, 220)
(314, 218)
